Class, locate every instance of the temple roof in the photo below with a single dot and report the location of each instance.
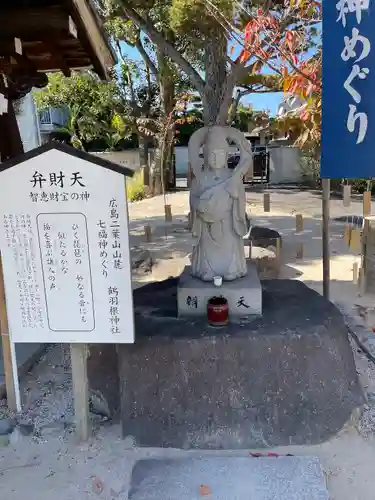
(39, 36)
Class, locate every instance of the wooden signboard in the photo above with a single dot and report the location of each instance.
(65, 249)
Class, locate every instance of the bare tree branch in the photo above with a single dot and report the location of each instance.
(146, 58)
(147, 26)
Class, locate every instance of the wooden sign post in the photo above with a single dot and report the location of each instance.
(10, 362)
(267, 202)
(347, 193)
(299, 223)
(78, 356)
(347, 233)
(65, 257)
(148, 233)
(366, 203)
(168, 213)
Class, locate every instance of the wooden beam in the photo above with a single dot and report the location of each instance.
(53, 66)
(36, 44)
(92, 37)
(10, 138)
(26, 22)
(18, 46)
(72, 28)
(57, 56)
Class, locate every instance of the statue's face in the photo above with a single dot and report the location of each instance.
(217, 158)
(216, 149)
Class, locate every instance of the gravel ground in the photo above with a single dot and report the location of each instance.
(62, 469)
(59, 468)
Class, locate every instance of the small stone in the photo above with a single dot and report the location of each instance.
(53, 429)
(16, 437)
(98, 405)
(128, 442)
(97, 486)
(26, 429)
(6, 426)
(4, 440)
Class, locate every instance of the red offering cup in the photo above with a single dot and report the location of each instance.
(218, 311)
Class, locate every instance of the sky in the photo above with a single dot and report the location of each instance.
(259, 102)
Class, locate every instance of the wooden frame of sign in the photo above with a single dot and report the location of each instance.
(65, 259)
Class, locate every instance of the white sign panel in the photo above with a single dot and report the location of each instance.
(65, 251)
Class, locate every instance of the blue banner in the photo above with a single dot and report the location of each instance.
(348, 119)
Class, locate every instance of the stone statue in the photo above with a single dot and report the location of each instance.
(217, 201)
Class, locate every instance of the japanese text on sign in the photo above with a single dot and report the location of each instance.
(66, 271)
(58, 180)
(356, 48)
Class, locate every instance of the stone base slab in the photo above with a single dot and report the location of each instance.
(244, 295)
(225, 478)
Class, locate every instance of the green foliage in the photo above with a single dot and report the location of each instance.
(262, 82)
(362, 185)
(193, 17)
(135, 188)
(95, 107)
(246, 116)
(310, 170)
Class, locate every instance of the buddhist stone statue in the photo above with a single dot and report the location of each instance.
(217, 201)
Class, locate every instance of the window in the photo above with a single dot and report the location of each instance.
(45, 117)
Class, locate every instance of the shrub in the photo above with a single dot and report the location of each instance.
(135, 188)
(310, 170)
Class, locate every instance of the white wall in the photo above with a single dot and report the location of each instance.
(284, 162)
(28, 124)
(182, 161)
(285, 166)
(128, 158)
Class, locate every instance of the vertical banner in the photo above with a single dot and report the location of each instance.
(348, 126)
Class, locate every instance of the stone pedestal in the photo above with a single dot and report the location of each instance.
(244, 295)
(287, 377)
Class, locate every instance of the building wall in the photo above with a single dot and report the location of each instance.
(130, 159)
(285, 165)
(284, 162)
(51, 120)
(28, 124)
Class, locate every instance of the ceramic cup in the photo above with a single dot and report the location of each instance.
(218, 280)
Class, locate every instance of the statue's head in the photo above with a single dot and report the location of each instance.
(216, 148)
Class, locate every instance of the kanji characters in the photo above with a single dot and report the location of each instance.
(56, 179)
(76, 179)
(345, 7)
(38, 180)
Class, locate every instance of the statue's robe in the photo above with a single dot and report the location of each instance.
(218, 204)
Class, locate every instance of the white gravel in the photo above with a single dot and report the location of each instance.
(53, 466)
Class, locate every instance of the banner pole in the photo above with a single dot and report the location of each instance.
(326, 184)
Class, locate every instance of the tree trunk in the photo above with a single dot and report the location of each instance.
(143, 148)
(219, 85)
(161, 164)
(155, 170)
(167, 101)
